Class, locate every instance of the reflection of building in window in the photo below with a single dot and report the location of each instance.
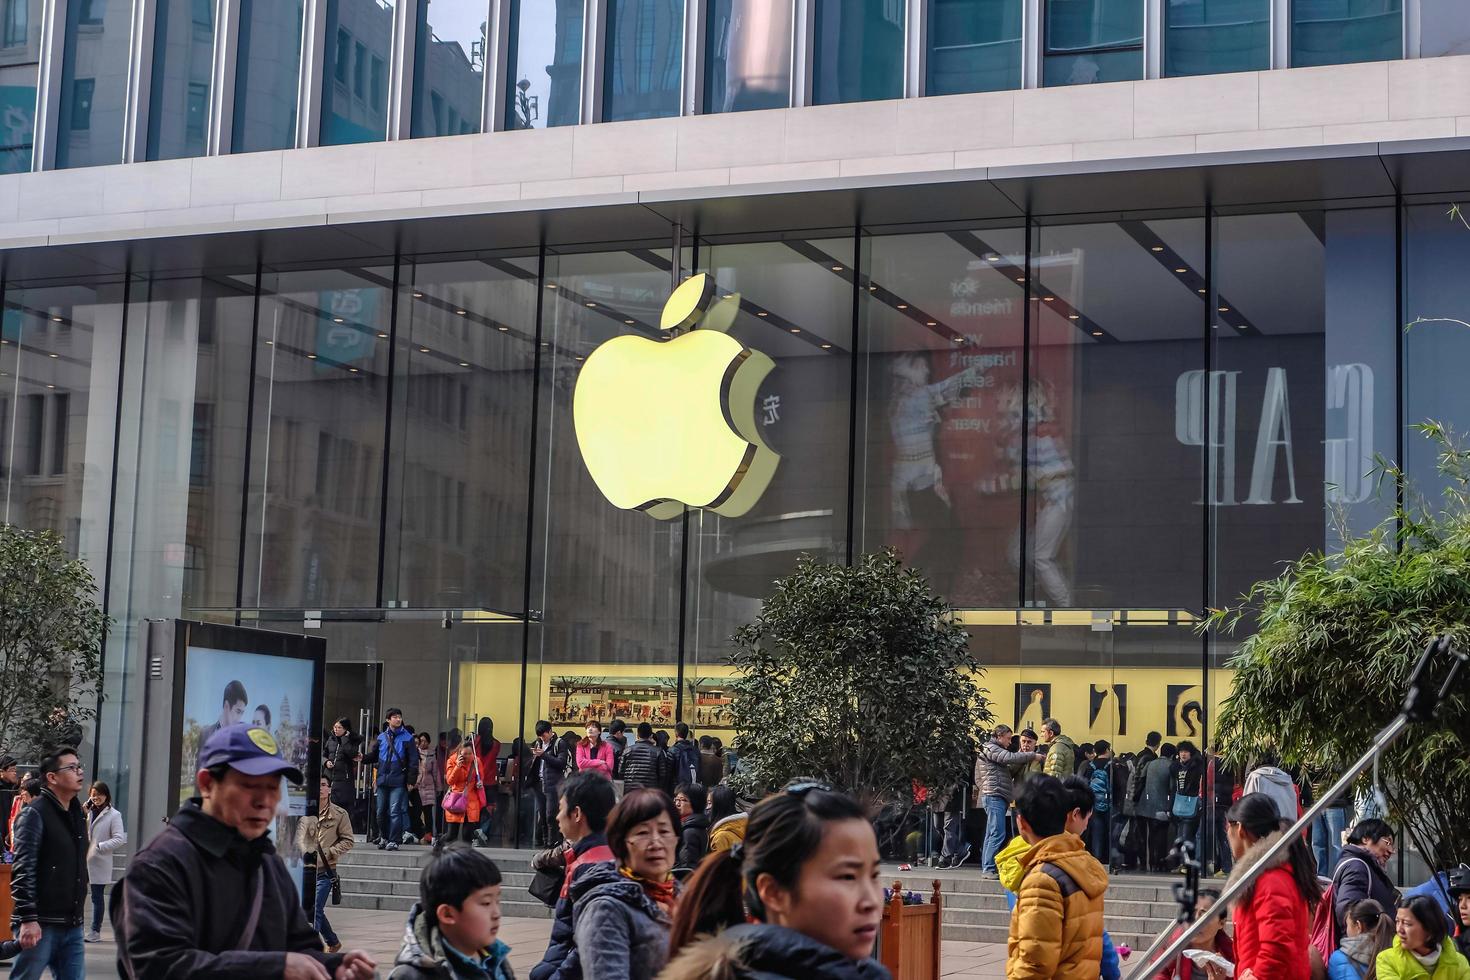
(203, 13)
(359, 71)
(197, 110)
(92, 11)
(375, 84)
(344, 54)
(81, 103)
(16, 22)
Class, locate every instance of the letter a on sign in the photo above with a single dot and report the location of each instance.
(1275, 431)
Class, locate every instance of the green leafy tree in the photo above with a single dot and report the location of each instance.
(1336, 636)
(859, 676)
(51, 633)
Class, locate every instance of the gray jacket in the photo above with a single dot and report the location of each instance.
(621, 933)
(993, 773)
(1158, 780)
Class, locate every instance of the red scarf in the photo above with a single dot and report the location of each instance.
(662, 892)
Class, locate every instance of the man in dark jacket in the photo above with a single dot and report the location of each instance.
(397, 759)
(209, 897)
(549, 762)
(49, 878)
(686, 756)
(711, 766)
(586, 800)
(1360, 871)
(690, 800)
(643, 763)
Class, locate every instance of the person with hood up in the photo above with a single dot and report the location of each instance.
(1057, 927)
(727, 823)
(1278, 785)
(1273, 917)
(1361, 870)
(621, 911)
(452, 933)
(1061, 751)
(807, 873)
(1422, 949)
(1369, 932)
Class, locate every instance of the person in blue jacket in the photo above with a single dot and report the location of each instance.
(397, 759)
(1369, 932)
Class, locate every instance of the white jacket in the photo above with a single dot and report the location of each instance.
(107, 836)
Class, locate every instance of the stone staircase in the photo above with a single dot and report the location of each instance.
(1138, 906)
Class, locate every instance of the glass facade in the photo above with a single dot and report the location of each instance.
(1092, 41)
(974, 46)
(449, 70)
(544, 72)
(94, 83)
(267, 75)
(747, 55)
(858, 50)
(183, 57)
(1085, 433)
(1338, 32)
(20, 63)
(645, 59)
(1444, 28)
(355, 71)
(1205, 38)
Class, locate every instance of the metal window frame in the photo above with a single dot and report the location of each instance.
(1032, 43)
(1280, 34)
(310, 78)
(696, 30)
(1413, 28)
(594, 57)
(221, 127)
(401, 52)
(141, 29)
(497, 67)
(46, 130)
(916, 48)
(803, 51)
(1153, 39)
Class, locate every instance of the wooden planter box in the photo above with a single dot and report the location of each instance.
(908, 937)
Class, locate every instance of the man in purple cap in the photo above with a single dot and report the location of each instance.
(209, 897)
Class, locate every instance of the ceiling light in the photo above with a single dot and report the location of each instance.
(270, 343)
(423, 350)
(50, 386)
(53, 355)
(763, 313)
(551, 285)
(903, 306)
(503, 329)
(1181, 270)
(1020, 279)
(311, 357)
(931, 323)
(1224, 309)
(1240, 326)
(464, 363)
(630, 322)
(382, 335)
(873, 287)
(992, 257)
(56, 319)
(796, 330)
(353, 370)
(1200, 291)
(1047, 299)
(1097, 333)
(545, 343)
(1073, 316)
(826, 347)
(591, 305)
(418, 295)
(958, 339)
(337, 319)
(459, 313)
(837, 268)
(581, 358)
(1157, 248)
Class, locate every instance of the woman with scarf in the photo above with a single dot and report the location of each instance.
(622, 910)
(1369, 932)
(1422, 948)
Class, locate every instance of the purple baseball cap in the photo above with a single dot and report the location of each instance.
(252, 751)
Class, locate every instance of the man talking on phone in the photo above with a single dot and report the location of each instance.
(209, 897)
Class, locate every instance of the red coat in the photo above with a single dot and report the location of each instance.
(1272, 929)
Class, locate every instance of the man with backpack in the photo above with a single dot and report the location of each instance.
(686, 756)
(1098, 772)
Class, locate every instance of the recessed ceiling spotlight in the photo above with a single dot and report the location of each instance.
(459, 312)
(591, 305)
(464, 363)
(418, 295)
(1073, 316)
(763, 313)
(796, 330)
(1181, 270)
(931, 323)
(1157, 248)
(837, 268)
(903, 306)
(503, 329)
(311, 357)
(1048, 299)
(826, 347)
(423, 350)
(1224, 309)
(382, 335)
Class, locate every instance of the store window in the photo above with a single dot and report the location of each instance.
(1434, 241)
(1444, 28)
(1205, 38)
(1092, 41)
(357, 31)
(93, 84)
(449, 62)
(545, 67)
(18, 72)
(747, 55)
(1339, 32)
(268, 73)
(183, 59)
(858, 50)
(645, 59)
(974, 46)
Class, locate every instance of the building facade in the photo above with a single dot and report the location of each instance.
(1093, 309)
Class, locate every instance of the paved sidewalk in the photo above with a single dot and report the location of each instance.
(380, 934)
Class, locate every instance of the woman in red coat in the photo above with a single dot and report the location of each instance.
(487, 752)
(1273, 918)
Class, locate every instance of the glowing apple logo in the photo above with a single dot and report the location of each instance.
(662, 424)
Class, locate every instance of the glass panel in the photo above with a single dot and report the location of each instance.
(545, 65)
(316, 474)
(269, 68)
(20, 56)
(462, 417)
(974, 46)
(94, 82)
(747, 55)
(943, 322)
(645, 52)
(858, 51)
(1114, 518)
(1434, 246)
(354, 92)
(1204, 37)
(795, 301)
(1092, 41)
(449, 70)
(1339, 32)
(1444, 28)
(183, 56)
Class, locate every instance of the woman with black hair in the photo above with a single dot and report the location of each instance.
(341, 753)
(807, 874)
(1273, 917)
(1422, 949)
(1369, 932)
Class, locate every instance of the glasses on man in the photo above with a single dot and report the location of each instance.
(74, 767)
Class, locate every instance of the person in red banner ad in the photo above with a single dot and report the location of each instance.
(1273, 918)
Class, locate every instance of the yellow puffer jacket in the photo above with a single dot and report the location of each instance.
(726, 833)
(1397, 963)
(1008, 863)
(1056, 933)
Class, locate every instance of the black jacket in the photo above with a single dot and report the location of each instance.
(762, 952)
(685, 756)
(644, 766)
(548, 770)
(181, 908)
(342, 753)
(693, 840)
(1358, 876)
(49, 878)
(561, 962)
